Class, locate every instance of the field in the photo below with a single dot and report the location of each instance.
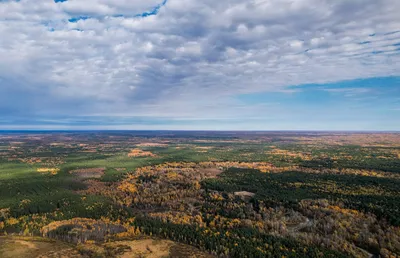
(27, 247)
(200, 194)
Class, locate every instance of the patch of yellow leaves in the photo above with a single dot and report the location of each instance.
(127, 187)
(287, 153)
(140, 153)
(12, 221)
(53, 171)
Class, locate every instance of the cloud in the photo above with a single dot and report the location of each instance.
(184, 58)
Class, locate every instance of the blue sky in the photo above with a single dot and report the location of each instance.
(192, 65)
(363, 104)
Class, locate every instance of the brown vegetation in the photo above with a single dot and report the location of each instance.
(88, 172)
(28, 247)
(80, 230)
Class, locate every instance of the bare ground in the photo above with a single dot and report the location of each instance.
(29, 247)
(151, 248)
(85, 173)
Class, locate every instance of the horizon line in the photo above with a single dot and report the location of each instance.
(194, 130)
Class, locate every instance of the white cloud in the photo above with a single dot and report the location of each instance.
(114, 63)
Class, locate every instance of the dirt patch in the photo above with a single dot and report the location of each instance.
(151, 248)
(210, 172)
(244, 194)
(28, 247)
(88, 172)
(148, 248)
(152, 144)
(27, 244)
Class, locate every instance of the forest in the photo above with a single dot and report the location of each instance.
(199, 194)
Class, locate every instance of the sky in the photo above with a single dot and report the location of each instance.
(200, 65)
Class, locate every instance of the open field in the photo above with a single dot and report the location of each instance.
(229, 194)
(28, 247)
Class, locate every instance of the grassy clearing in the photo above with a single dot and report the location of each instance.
(28, 247)
(156, 248)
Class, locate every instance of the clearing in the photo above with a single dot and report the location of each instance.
(88, 172)
(28, 247)
(151, 248)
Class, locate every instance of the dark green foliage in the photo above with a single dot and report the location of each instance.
(369, 164)
(244, 242)
(279, 189)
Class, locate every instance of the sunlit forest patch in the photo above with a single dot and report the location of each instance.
(140, 153)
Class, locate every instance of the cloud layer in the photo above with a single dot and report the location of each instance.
(184, 59)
